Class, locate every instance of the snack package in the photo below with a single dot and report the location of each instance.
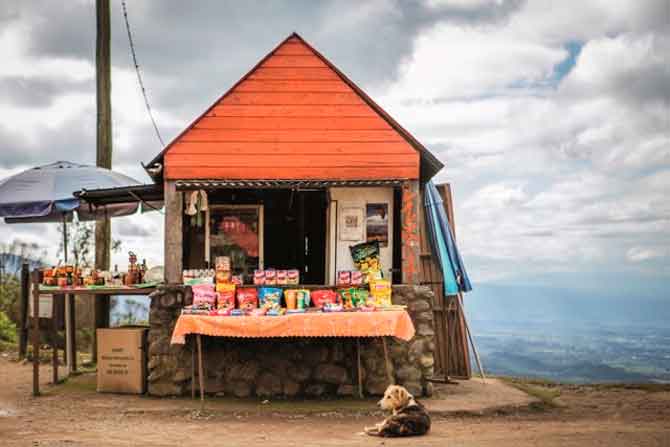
(225, 296)
(259, 277)
(380, 290)
(323, 297)
(204, 295)
(247, 298)
(293, 277)
(259, 312)
(353, 297)
(270, 297)
(343, 277)
(356, 278)
(291, 298)
(222, 276)
(366, 256)
(222, 263)
(303, 299)
(238, 280)
(271, 277)
(282, 279)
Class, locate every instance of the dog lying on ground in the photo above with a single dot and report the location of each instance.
(409, 417)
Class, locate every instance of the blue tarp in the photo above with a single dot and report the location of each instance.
(443, 244)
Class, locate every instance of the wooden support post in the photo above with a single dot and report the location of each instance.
(54, 344)
(173, 253)
(192, 367)
(69, 335)
(409, 222)
(387, 363)
(201, 374)
(23, 310)
(359, 369)
(35, 283)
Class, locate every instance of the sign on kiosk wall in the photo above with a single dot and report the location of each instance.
(351, 223)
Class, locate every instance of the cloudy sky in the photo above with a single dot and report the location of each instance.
(553, 118)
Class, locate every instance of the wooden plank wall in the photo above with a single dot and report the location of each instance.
(292, 117)
(452, 358)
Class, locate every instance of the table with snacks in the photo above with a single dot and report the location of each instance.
(282, 308)
(70, 281)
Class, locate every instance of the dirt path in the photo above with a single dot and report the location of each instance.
(70, 415)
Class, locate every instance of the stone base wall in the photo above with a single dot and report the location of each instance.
(292, 366)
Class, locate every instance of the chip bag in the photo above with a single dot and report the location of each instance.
(225, 296)
(204, 295)
(366, 256)
(380, 290)
(270, 297)
(322, 297)
(247, 298)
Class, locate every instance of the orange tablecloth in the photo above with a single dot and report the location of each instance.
(333, 324)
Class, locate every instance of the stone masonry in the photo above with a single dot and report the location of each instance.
(292, 366)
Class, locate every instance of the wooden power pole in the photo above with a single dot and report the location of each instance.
(103, 150)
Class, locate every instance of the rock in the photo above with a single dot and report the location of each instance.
(375, 387)
(316, 354)
(245, 371)
(408, 373)
(426, 360)
(159, 346)
(268, 385)
(277, 363)
(331, 373)
(425, 329)
(315, 390)
(154, 362)
(291, 388)
(414, 388)
(424, 316)
(428, 372)
(337, 353)
(416, 349)
(163, 388)
(418, 305)
(428, 389)
(398, 351)
(299, 372)
(239, 389)
(346, 390)
(182, 374)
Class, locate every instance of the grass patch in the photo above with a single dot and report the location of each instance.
(547, 392)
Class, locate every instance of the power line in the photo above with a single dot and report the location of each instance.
(139, 75)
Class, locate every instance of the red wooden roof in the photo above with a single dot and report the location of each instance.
(295, 116)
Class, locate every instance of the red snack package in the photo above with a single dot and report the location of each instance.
(322, 297)
(247, 298)
(282, 278)
(293, 277)
(225, 296)
(259, 277)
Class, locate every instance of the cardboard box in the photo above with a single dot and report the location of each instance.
(122, 360)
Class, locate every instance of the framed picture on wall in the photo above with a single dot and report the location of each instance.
(351, 223)
(377, 223)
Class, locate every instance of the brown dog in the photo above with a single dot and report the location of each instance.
(409, 417)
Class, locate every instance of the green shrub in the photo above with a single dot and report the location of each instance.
(7, 329)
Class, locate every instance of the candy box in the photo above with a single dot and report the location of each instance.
(356, 278)
(247, 298)
(222, 263)
(282, 279)
(238, 280)
(271, 277)
(259, 277)
(343, 277)
(380, 290)
(293, 277)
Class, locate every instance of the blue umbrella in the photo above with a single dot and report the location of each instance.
(442, 240)
(45, 194)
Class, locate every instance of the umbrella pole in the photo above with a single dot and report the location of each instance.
(69, 342)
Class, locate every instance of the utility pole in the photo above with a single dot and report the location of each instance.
(103, 151)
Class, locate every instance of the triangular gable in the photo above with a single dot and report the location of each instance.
(295, 116)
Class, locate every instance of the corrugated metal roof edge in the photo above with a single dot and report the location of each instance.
(433, 162)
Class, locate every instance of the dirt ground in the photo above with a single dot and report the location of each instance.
(72, 414)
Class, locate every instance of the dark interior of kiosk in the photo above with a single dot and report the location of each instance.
(294, 232)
